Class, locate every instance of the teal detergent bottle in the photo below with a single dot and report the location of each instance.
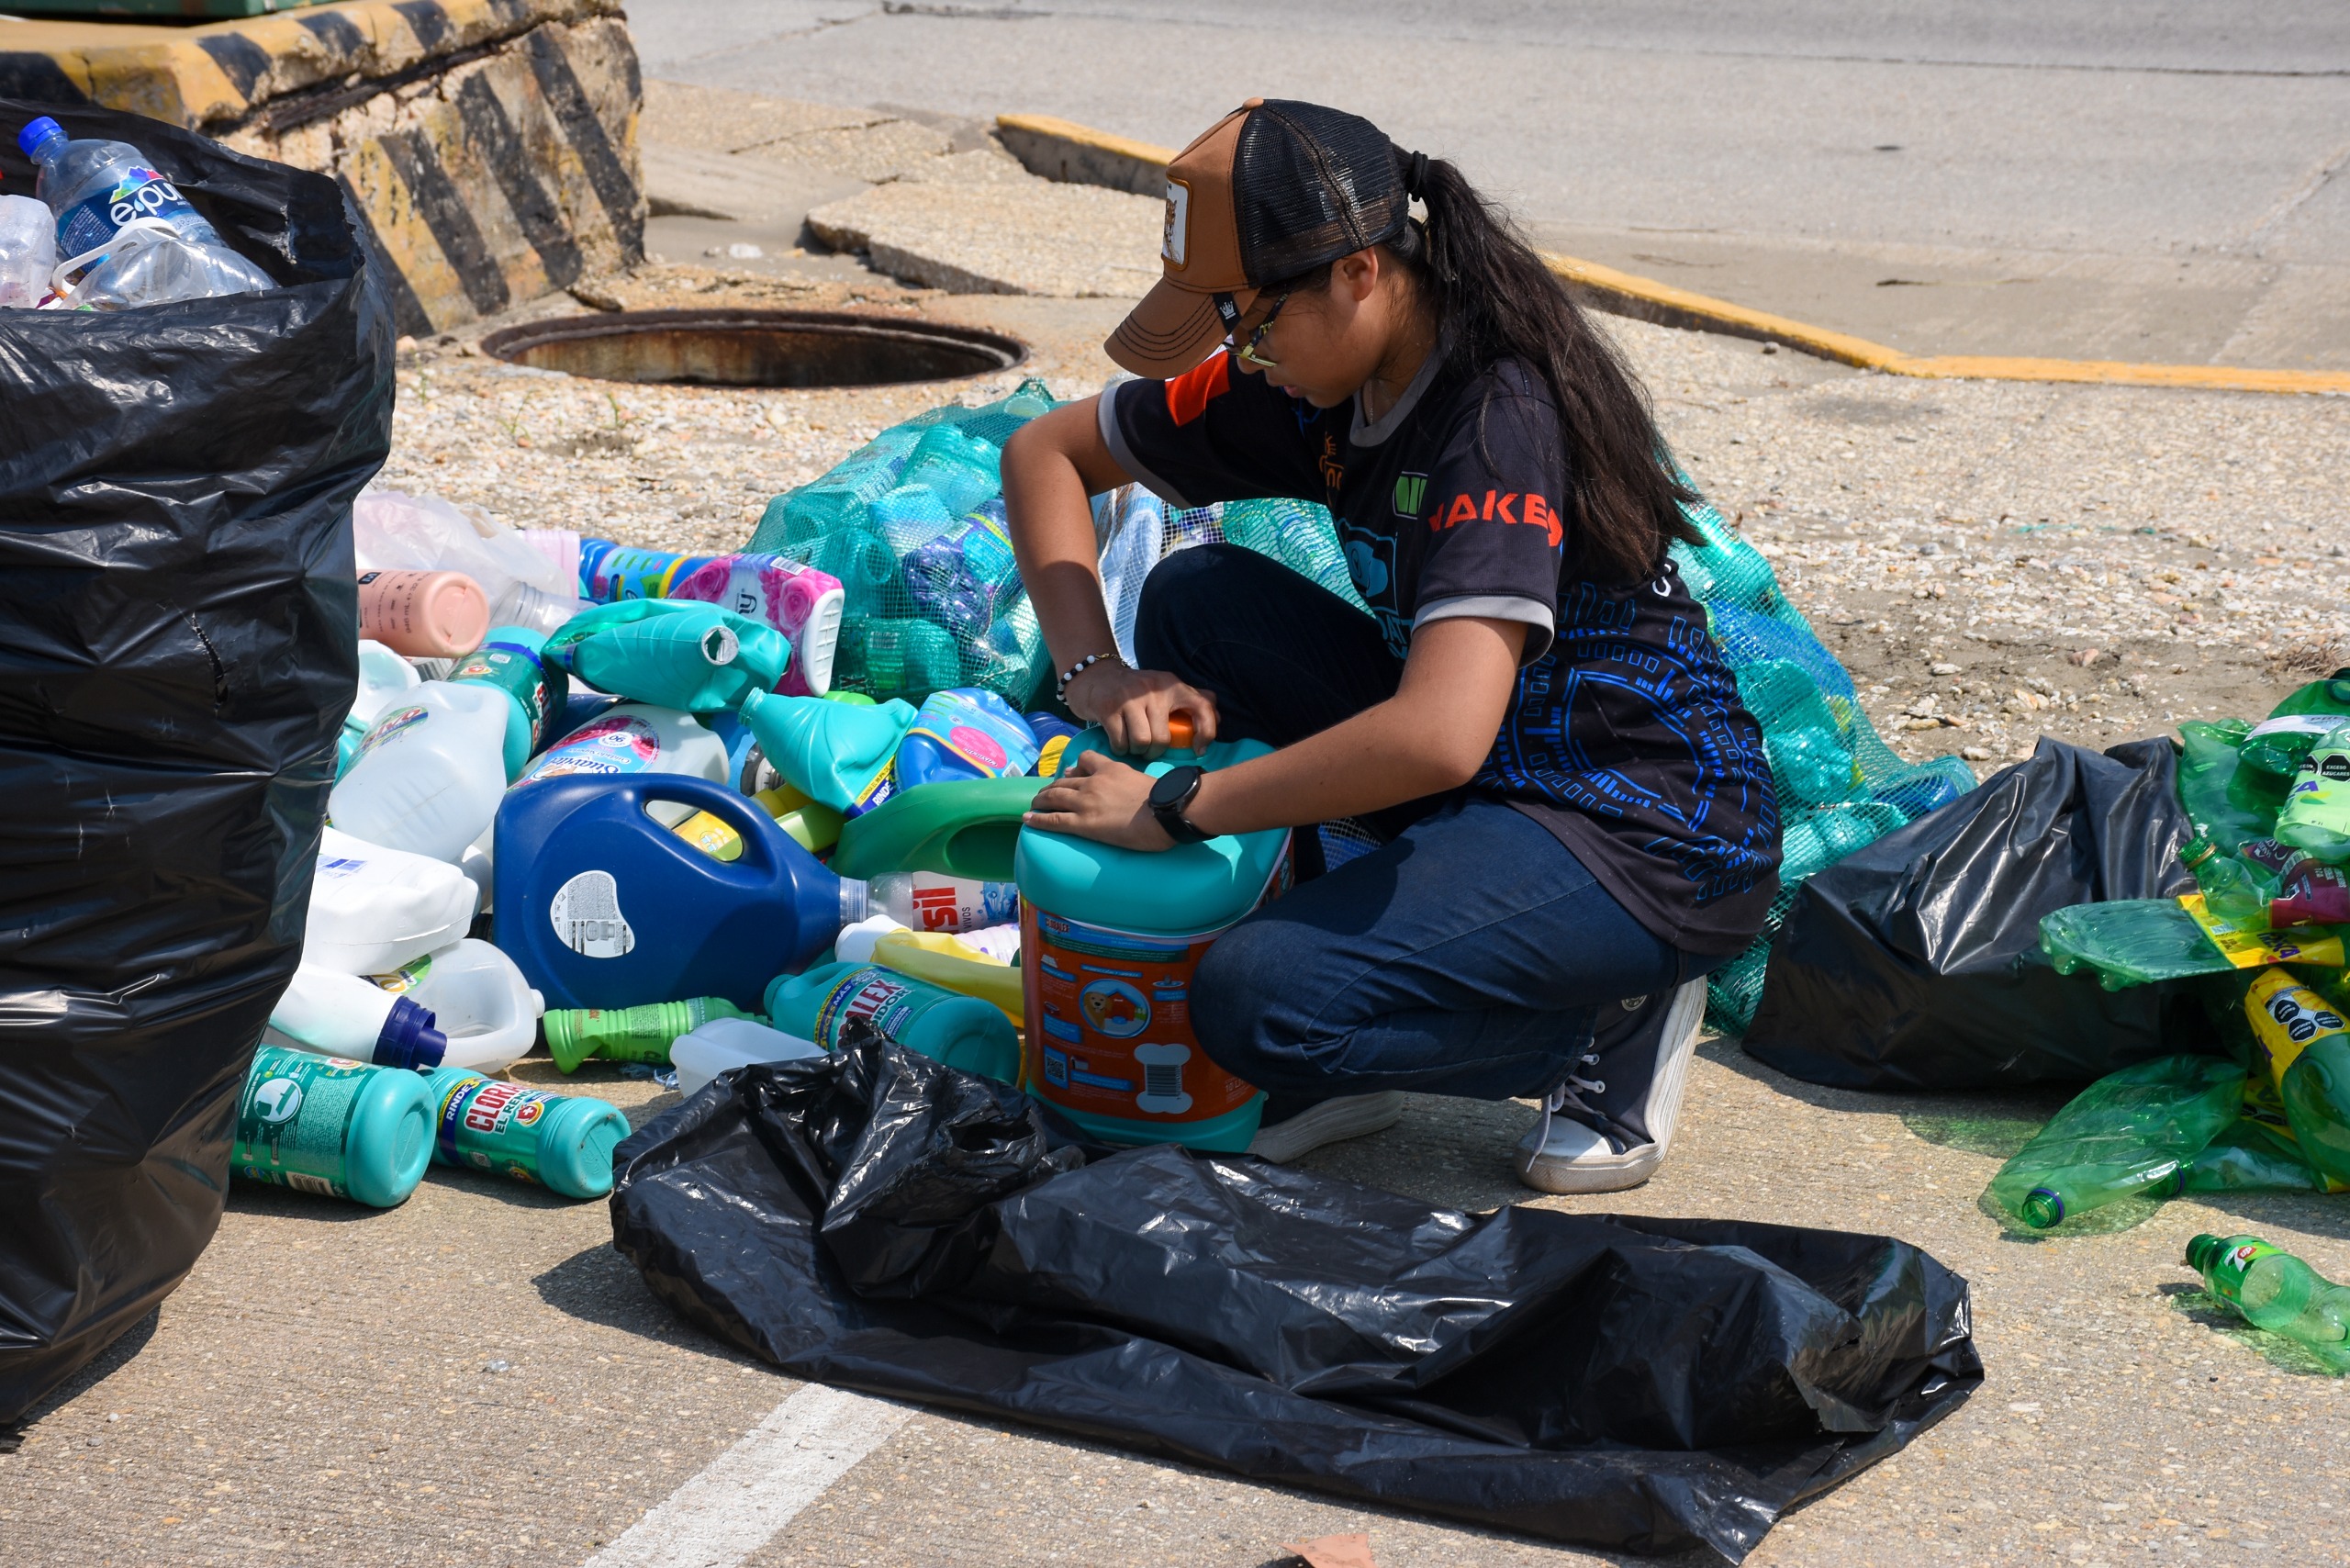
(511, 659)
(841, 754)
(332, 1126)
(1110, 942)
(961, 1031)
(670, 652)
(561, 1142)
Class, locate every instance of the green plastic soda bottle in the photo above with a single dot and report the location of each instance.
(2306, 1047)
(2274, 750)
(629, 1034)
(2232, 890)
(2275, 1291)
(2131, 1132)
(2315, 817)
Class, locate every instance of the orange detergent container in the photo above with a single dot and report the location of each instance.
(1110, 942)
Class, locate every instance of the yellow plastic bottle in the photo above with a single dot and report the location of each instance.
(947, 961)
(816, 827)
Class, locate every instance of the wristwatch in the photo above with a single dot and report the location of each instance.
(1169, 794)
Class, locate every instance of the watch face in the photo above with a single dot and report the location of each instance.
(1175, 784)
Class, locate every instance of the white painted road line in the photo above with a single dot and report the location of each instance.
(747, 1494)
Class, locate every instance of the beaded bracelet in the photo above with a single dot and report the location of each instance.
(1060, 687)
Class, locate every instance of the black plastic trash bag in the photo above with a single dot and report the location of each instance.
(178, 632)
(1915, 963)
(880, 1222)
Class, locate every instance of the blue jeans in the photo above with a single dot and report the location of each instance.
(1468, 954)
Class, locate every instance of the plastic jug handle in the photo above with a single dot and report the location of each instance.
(737, 810)
(963, 827)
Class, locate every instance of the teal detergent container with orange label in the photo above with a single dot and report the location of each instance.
(1110, 942)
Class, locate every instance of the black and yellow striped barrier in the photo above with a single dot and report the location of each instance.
(490, 143)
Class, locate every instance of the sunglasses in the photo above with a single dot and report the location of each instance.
(1247, 350)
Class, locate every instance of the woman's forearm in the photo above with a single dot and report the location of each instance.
(1051, 468)
(1431, 736)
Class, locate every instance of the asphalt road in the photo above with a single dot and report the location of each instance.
(2165, 182)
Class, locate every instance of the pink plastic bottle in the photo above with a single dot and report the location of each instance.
(802, 602)
(424, 615)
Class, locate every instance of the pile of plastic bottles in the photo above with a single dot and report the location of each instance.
(1841, 787)
(106, 231)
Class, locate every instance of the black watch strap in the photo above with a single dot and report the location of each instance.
(1169, 795)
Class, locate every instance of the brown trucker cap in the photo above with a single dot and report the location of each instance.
(1274, 190)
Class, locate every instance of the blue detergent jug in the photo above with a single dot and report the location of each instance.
(965, 732)
(600, 905)
(1110, 941)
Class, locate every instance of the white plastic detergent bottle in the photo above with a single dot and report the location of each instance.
(384, 678)
(488, 1015)
(633, 738)
(374, 908)
(335, 1014)
(1111, 940)
(430, 773)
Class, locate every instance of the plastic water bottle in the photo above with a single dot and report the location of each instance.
(429, 772)
(95, 189)
(2232, 890)
(332, 1126)
(2131, 1132)
(2275, 1291)
(28, 252)
(643, 1032)
(374, 908)
(723, 1044)
(334, 1015)
(561, 1142)
(961, 1031)
(487, 1014)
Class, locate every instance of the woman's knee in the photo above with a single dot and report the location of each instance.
(1259, 1002)
(1184, 606)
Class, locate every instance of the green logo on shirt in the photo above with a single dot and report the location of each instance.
(1411, 489)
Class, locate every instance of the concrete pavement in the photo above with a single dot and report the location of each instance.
(2087, 181)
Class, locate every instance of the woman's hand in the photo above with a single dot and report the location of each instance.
(1101, 799)
(1132, 705)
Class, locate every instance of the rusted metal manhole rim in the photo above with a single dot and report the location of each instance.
(754, 348)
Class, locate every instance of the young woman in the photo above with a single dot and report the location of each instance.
(1576, 815)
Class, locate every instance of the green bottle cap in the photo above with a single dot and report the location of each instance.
(2200, 1250)
(2042, 1209)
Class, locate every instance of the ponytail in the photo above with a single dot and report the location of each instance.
(1494, 300)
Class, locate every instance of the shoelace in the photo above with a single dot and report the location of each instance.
(1575, 1088)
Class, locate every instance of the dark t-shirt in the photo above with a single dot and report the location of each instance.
(1625, 737)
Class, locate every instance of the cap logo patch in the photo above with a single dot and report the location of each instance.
(1175, 246)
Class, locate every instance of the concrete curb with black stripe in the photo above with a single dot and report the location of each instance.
(491, 144)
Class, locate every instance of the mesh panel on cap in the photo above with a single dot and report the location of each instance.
(1311, 185)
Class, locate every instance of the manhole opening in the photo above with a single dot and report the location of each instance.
(754, 348)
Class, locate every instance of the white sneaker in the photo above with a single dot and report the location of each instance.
(1349, 1116)
(1610, 1131)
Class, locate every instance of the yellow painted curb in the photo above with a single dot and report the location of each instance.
(1072, 148)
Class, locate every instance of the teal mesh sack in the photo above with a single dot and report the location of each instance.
(913, 524)
(1841, 787)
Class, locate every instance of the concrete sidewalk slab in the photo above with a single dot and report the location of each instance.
(1008, 233)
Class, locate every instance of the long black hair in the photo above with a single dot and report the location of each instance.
(1494, 300)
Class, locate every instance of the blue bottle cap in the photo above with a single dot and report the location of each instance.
(36, 133)
(410, 1037)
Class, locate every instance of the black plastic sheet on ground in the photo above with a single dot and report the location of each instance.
(1915, 963)
(178, 645)
(880, 1222)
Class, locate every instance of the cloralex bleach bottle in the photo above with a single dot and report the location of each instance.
(1110, 941)
(561, 1142)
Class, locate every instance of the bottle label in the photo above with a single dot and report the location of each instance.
(1110, 1025)
(890, 1001)
(490, 1125)
(2226, 1275)
(619, 743)
(994, 745)
(2297, 724)
(294, 1118)
(404, 981)
(515, 670)
(140, 193)
(386, 725)
(2254, 949)
(878, 789)
(772, 589)
(585, 914)
(2287, 1018)
(960, 904)
(638, 574)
